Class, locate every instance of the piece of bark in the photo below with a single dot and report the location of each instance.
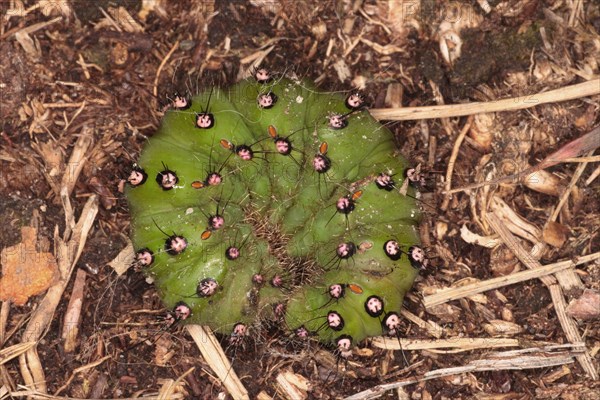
(586, 307)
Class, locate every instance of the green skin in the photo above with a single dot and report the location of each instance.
(290, 195)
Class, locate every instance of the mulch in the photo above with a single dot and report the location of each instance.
(83, 84)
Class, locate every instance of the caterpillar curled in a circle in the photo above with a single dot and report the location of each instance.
(274, 200)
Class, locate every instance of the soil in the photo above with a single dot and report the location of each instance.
(99, 65)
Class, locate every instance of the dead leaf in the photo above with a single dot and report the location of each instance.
(555, 234)
(586, 307)
(26, 272)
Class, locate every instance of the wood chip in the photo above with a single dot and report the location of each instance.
(78, 159)
(555, 234)
(343, 72)
(472, 238)
(215, 357)
(124, 260)
(293, 386)
(559, 373)
(26, 272)
(544, 182)
(385, 50)
(31, 47)
(170, 388)
(394, 95)
(263, 396)
(499, 327)
(70, 327)
(586, 307)
(125, 20)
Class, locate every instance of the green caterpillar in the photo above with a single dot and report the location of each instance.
(274, 200)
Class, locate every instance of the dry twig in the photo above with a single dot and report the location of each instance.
(455, 345)
(455, 293)
(161, 66)
(452, 161)
(40, 395)
(67, 251)
(215, 357)
(509, 360)
(31, 368)
(567, 323)
(572, 92)
(579, 146)
(567, 192)
(71, 321)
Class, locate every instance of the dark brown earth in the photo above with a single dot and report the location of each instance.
(84, 70)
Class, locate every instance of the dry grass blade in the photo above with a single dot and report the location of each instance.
(457, 344)
(292, 385)
(510, 360)
(35, 27)
(568, 280)
(432, 328)
(11, 352)
(452, 161)
(255, 60)
(215, 357)
(584, 144)
(83, 368)
(479, 287)
(4, 310)
(71, 321)
(161, 66)
(170, 386)
(39, 395)
(78, 159)
(31, 367)
(567, 192)
(567, 323)
(572, 92)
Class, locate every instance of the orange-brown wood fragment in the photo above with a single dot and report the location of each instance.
(25, 271)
